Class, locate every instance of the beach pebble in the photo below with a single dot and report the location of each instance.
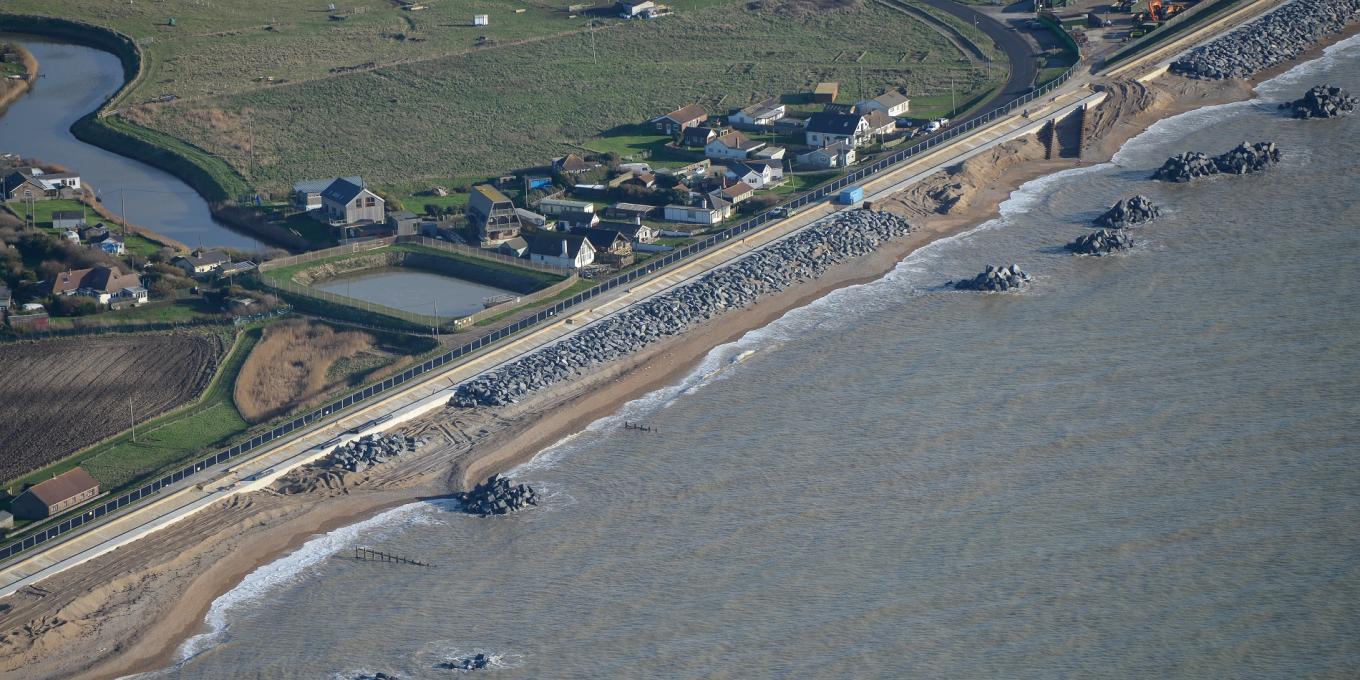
(1275, 38)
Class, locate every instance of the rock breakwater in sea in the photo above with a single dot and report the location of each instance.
(371, 450)
(1102, 242)
(1322, 101)
(1273, 39)
(497, 496)
(801, 257)
(1129, 212)
(995, 279)
(1245, 158)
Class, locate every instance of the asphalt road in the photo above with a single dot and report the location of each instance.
(1019, 52)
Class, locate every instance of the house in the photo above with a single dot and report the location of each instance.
(731, 145)
(629, 212)
(570, 251)
(828, 128)
(6, 298)
(307, 193)
(201, 261)
(68, 219)
(693, 214)
(515, 247)
(557, 206)
(758, 115)
(838, 155)
(346, 203)
(677, 121)
(826, 92)
(738, 192)
(893, 103)
(611, 247)
(697, 136)
(56, 495)
(94, 234)
(112, 244)
(770, 153)
(757, 174)
(634, 231)
(235, 269)
(577, 219)
(632, 9)
(493, 213)
(102, 283)
(403, 223)
(21, 183)
(880, 124)
(572, 164)
(529, 217)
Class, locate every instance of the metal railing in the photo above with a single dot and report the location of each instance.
(816, 194)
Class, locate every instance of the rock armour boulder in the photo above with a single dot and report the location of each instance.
(1323, 101)
(1245, 158)
(995, 280)
(1101, 242)
(801, 257)
(1277, 37)
(496, 496)
(372, 450)
(1129, 212)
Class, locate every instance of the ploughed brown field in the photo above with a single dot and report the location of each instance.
(59, 396)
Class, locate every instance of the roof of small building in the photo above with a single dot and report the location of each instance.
(341, 191)
(550, 243)
(316, 186)
(827, 88)
(206, 257)
(686, 113)
(572, 163)
(738, 189)
(491, 193)
(68, 214)
(65, 485)
(698, 134)
(633, 207)
(878, 119)
(736, 140)
(834, 123)
(629, 229)
(892, 98)
(601, 239)
(101, 278)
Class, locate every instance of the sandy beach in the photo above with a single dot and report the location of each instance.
(92, 622)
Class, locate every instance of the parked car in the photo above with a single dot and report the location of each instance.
(932, 126)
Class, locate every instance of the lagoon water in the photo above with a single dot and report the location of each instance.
(1144, 466)
(75, 81)
(414, 291)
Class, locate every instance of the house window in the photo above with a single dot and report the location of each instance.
(371, 201)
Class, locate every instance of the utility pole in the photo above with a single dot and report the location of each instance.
(132, 417)
(122, 211)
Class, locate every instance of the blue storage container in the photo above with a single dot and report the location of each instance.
(850, 195)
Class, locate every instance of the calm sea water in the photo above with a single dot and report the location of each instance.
(76, 80)
(414, 291)
(1145, 466)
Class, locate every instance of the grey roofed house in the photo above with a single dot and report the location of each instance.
(316, 186)
(834, 123)
(341, 191)
(635, 231)
(842, 109)
(698, 136)
(515, 247)
(603, 240)
(549, 243)
(527, 216)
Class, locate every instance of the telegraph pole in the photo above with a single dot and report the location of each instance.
(132, 417)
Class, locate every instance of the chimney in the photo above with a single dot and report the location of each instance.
(564, 247)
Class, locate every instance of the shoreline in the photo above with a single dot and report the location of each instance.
(182, 615)
(30, 74)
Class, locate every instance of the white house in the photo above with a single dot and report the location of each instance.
(570, 251)
(557, 206)
(757, 174)
(629, 9)
(68, 219)
(731, 145)
(838, 155)
(827, 128)
(202, 262)
(893, 103)
(112, 245)
(694, 214)
(758, 115)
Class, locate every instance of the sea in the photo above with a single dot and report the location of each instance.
(1143, 466)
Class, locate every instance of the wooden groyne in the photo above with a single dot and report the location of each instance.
(367, 555)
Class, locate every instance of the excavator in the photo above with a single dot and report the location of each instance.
(1159, 10)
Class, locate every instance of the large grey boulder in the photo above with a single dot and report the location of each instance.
(995, 279)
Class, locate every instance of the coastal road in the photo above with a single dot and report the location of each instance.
(1019, 52)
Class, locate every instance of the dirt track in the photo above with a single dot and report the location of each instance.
(59, 396)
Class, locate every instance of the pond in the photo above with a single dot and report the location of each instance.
(75, 80)
(414, 291)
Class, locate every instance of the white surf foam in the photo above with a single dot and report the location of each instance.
(1283, 85)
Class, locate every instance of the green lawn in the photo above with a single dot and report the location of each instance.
(800, 182)
(640, 143)
(42, 216)
(156, 311)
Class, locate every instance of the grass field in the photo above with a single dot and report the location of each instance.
(433, 106)
(42, 217)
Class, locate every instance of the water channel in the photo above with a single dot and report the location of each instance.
(75, 80)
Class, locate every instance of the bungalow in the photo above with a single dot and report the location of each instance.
(680, 119)
(828, 128)
(694, 214)
(403, 223)
(570, 251)
(21, 183)
(307, 193)
(572, 164)
(530, 217)
(770, 153)
(611, 247)
(629, 212)
(880, 124)
(345, 202)
(577, 219)
(838, 155)
(68, 219)
(33, 183)
(56, 495)
(557, 206)
(716, 201)
(202, 262)
(698, 136)
(493, 214)
(758, 115)
(637, 232)
(112, 244)
(757, 174)
(893, 103)
(738, 192)
(102, 283)
(632, 9)
(731, 145)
